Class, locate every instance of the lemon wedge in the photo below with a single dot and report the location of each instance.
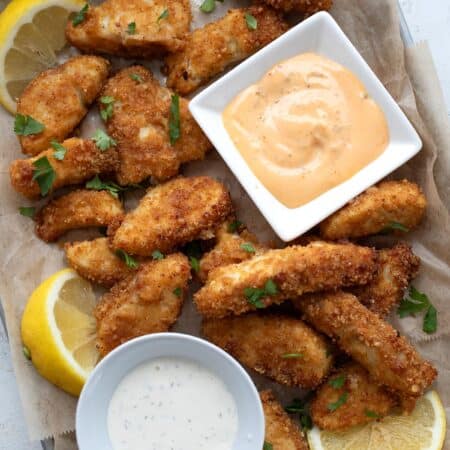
(32, 32)
(424, 429)
(58, 330)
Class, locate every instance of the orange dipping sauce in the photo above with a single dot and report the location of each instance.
(305, 127)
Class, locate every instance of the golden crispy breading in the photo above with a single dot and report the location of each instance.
(262, 342)
(78, 209)
(59, 98)
(95, 261)
(147, 301)
(398, 266)
(173, 214)
(211, 49)
(281, 432)
(230, 249)
(106, 28)
(140, 125)
(295, 270)
(375, 210)
(305, 7)
(389, 358)
(365, 400)
(81, 162)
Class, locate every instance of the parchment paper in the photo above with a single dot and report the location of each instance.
(410, 76)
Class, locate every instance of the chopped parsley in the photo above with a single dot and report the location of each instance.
(98, 185)
(157, 255)
(252, 23)
(26, 125)
(26, 352)
(234, 226)
(372, 414)
(177, 291)
(60, 150)
(174, 119)
(107, 111)
(292, 355)
(103, 141)
(43, 174)
(136, 77)
(208, 6)
(254, 295)
(417, 302)
(163, 15)
(267, 446)
(337, 382)
(80, 16)
(395, 226)
(246, 246)
(338, 403)
(129, 260)
(27, 211)
(195, 264)
(131, 28)
(301, 408)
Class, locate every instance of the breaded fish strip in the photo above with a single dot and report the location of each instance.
(140, 125)
(211, 49)
(281, 432)
(398, 266)
(95, 261)
(305, 7)
(173, 214)
(78, 209)
(59, 98)
(81, 162)
(147, 301)
(160, 27)
(365, 400)
(389, 358)
(231, 248)
(280, 347)
(295, 270)
(375, 210)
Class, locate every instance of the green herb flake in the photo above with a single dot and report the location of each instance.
(254, 295)
(80, 16)
(26, 353)
(43, 174)
(337, 382)
(395, 226)
(372, 414)
(136, 77)
(208, 6)
(194, 263)
(98, 185)
(103, 141)
(163, 15)
(248, 247)
(27, 211)
(234, 226)
(430, 320)
(26, 125)
(301, 408)
(157, 255)
(129, 260)
(107, 110)
(60, 150)
(292, 355)
(131, 28)
(174, 119)
(177, 291)
(252, 23)
(338, 403)
(270, 287)
(267, 446)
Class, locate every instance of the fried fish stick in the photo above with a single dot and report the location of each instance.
(231, 248)
(365, 400)
(294, 270)
(305, 7)
(377, 209)
(59, 98)
(140, 124)
(159, 27)
(147, 301)
(398, 267)
(389, 358)
(173, 214)
(78, 209)
(81, 162)
(96, 262)
(211, 49)
(281, 432)
(280, 347)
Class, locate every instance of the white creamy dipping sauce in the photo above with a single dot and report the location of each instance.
(172, 404)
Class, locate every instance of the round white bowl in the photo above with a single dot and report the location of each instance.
(92, 409)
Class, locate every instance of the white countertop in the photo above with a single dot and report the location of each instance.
(425, 22)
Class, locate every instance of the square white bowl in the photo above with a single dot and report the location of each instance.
(319, 34)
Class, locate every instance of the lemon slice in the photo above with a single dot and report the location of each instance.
(32, 32)
(58, 330)
(424, 429)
